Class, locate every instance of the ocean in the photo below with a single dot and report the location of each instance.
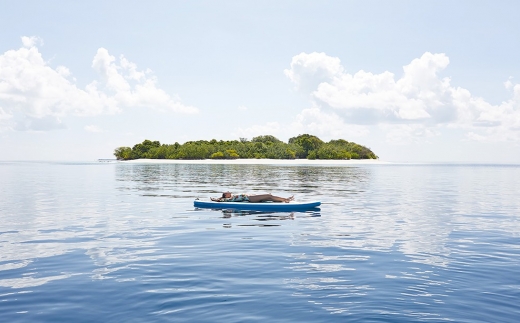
(122, 242)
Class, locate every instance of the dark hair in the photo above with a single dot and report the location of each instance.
(224, 194)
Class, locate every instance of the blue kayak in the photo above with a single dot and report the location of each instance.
(263, 206)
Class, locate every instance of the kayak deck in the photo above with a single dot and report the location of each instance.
(267, 206)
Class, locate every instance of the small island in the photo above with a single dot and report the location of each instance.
(262, 147)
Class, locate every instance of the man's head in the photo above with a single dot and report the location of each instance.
(226, 195)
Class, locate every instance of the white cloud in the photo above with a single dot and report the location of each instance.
(420, 99)
(44, 123)
(30, 89)
(312, 120)
(31, 41)
(402, 134)
(63, 71)
(5, 120)
(326, 125)
(93, 128)
(4, 115)
(130, 87)
(309, 70)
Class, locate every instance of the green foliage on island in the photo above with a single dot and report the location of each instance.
(302, 146)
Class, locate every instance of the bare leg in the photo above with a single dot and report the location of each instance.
(268, 197)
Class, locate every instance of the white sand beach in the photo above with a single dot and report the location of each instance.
(287, 162)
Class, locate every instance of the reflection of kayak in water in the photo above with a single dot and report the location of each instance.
(263, 206)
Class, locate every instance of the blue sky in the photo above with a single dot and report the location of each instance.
(426, 81)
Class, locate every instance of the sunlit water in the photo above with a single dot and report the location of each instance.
(116, 242)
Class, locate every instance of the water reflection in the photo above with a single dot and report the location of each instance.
(416, 223)
(118, 215)
(262, 217)
(228, 213)
(205, 180)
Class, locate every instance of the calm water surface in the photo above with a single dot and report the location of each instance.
(117, 242)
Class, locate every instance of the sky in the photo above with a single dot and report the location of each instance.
(415, 81)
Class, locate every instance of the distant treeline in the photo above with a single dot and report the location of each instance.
(302, 146)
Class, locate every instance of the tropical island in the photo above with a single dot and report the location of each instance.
(262, 147)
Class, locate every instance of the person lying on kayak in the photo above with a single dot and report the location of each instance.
(228, 197)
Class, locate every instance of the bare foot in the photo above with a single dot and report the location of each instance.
(289, 199)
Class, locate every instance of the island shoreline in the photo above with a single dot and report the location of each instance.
(263, 161)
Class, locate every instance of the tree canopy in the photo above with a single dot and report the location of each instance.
(302, 146)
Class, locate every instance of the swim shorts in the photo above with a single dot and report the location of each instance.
(238, 198)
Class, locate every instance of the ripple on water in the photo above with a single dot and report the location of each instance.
(122, 242)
